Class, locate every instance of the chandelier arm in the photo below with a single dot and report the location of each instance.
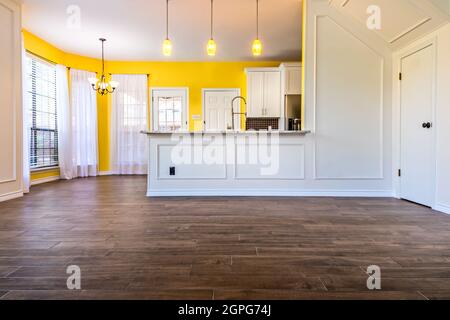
(101, 86)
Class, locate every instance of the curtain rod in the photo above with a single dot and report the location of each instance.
(41, 57)
(130, 74)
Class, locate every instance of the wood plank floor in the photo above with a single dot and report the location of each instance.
(132, 247)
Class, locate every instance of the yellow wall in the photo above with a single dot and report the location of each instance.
(44, 174)
(194, 75)
(49, 52)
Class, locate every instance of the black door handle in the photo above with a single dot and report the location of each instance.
(426, 125)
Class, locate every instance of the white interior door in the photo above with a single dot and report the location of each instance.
(217, 109)
(170, 109)
(417, 150)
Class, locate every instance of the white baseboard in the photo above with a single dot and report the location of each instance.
(11, 196)
(44, 180)
(269, 193)
(442, 208)
(105, 173)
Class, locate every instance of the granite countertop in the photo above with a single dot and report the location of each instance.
(283, 132)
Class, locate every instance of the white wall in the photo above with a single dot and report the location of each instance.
(10, 101)
(443, 120)
(348, 87)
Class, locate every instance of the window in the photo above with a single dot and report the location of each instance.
(170, 113)
(129, 117)
(169, 109)
(41, 95)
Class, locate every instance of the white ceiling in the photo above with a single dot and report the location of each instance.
(444, 5)
(135, 29)
(402, 21)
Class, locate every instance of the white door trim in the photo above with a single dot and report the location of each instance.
(153, 124)
(205, 90)
(397, 116)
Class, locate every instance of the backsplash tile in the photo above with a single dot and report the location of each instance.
(262, 123)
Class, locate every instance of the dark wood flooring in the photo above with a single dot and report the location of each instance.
(132, 247)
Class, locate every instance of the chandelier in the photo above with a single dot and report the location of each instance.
(102, 86)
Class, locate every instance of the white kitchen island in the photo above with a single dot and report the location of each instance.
(278, 163)
(226, 163)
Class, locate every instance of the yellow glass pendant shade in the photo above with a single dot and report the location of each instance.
(211, 48)
(257, 48)
(167, 48)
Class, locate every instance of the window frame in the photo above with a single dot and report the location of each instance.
(31, 90)
(169, 92)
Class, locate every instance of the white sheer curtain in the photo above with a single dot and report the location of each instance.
(77, 124)
(129, 117)
(64, 123)
(26, 123)
(84, 124)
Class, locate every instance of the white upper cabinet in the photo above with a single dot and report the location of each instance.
(264, 93)
(255, 94)
(272, 94)
(292, 78)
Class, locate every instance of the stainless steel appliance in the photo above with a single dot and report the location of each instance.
(292, 111)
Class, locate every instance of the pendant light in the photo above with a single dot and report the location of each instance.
(257, 45)
(167, 45)
(101, 85)
(211, 47)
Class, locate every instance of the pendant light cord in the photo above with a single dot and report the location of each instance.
(167, 19)
(257, 19)
(212, 17)
(103, 57)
